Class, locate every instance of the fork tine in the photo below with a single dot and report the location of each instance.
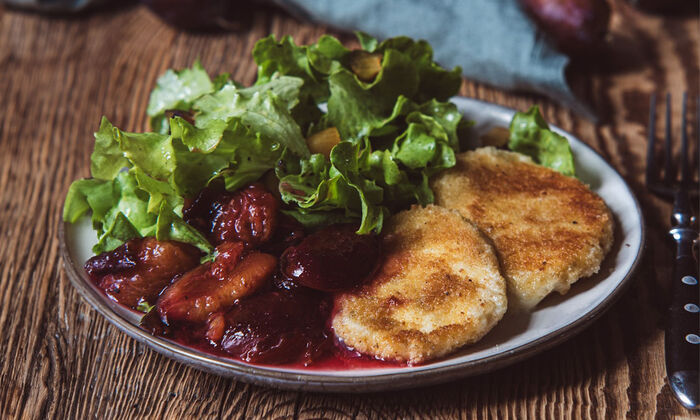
(651, 162)
(685, 170)
(669, 173)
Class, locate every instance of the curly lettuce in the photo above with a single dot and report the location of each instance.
(396, 129)
(140, 180)
(176, 90)
(530, 135)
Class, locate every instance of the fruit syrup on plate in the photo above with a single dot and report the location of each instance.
(265, 298)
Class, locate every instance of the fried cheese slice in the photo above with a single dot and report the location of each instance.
(549, 230)
(439, 288)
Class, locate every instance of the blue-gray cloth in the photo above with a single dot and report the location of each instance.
(492, 40)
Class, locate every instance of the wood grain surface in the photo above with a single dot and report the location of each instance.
(60, 359)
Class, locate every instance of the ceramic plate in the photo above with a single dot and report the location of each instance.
(556, 319)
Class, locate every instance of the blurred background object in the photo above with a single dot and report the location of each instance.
(204, 14)
(668, 6)
(574, 26)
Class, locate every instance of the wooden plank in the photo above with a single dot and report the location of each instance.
(60, 359)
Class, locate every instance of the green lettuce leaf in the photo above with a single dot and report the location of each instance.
(132, 205)
(322, 192)
(446, 115)
(356, 182)
(367, 42)
(434, 81)
(152, 152)
(259, 109)
(326, 55)
(253, 155)
(107, 158)
(285, 88)
(85, 195)
(408, 70)
(347, 160)
(309, 64)
(158, 191)
(286, 58)
(357, 108)
(409, 80)
(531, 136)
(177, 90)
(309, 184)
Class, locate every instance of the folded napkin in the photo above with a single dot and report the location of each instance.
(492, 40)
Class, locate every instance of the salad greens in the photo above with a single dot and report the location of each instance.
(176, 90)
(396, 126)
(530, 135)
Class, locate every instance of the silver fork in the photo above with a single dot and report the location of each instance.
(682, 341)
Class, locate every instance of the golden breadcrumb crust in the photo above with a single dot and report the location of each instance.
(549, 229)
(439, 288)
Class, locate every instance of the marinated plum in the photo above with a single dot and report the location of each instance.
(280, 281)
(248, 215)
(276, 327)
(140, 269)
(215, 286)
(288, 233)
(333, 259)
(118, 260)
(241, 302)
(216, 323)
(199, 211)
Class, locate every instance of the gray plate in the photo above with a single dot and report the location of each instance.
(556, 319)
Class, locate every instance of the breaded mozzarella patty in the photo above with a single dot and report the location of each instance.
(439, 287)
(549, 229)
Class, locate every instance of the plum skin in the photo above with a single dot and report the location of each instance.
(249, 215)
(138, 270)
(333, 259)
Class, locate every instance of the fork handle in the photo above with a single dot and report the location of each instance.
(683, 324)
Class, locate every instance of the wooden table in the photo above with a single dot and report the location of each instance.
(60, 359)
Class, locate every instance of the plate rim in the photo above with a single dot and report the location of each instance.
(358, 384)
